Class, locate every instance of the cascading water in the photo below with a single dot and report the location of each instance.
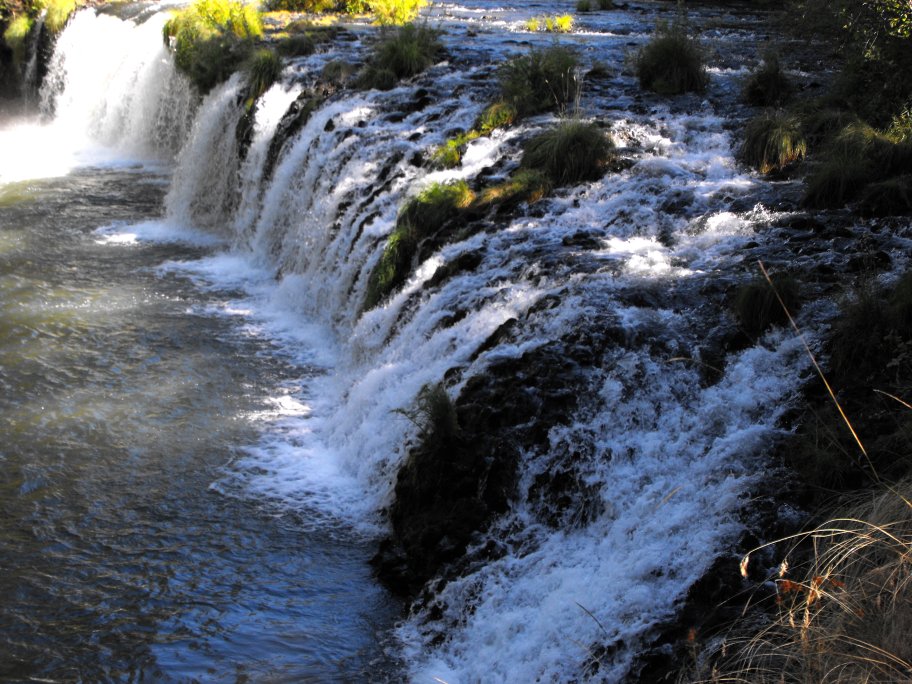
(609, 290)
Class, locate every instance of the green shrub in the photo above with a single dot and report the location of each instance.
(402, 55)
(263, 68)
(309, 6)
(768, 86)
(552, 24)
(605, 4)
(211, 38)
(16, 36)
(571, 152)
(583, 6)
(757, 308)
(672, 62)
(421, 217)
(58, 13)
(540, 80)
(772, 141)
(396, 12)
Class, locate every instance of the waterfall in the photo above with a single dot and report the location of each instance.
(30, 73)
(111, 93)
(592, 302)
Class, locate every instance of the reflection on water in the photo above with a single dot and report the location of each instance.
(118, 407)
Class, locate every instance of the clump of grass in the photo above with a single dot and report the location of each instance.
(263, 68)
(540, 80)
(854, 158)
(757, 307)
(605, 4)
(434, 415)
(497, 115)
(672, 62)
(449, 155)
(572, 152)
(872, 334)
(296, 45)
(16, 36)
(772, 142)
(58, 13)
(891, 197)
(337, 72)
(768, 86)
(583, 6)
(211, 38)
(845, 614)
(526, 185)
(404, 54)
(422, 217)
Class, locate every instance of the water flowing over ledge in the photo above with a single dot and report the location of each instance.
(626, 499)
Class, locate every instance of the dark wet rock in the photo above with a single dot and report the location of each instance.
(294, 120)
(582, 240)
(449, 490)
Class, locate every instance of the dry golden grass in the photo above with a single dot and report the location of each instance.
(844, 616)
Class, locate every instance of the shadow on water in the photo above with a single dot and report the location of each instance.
(120, 404)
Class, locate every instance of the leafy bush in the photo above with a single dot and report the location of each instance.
(402, 55)
(672, 62)
(58, 13)
(553, 24)
(540, 80)
(605, 4)
(571, 152)
(16, 36)
(211, 38)
(309, 6)
(768, 86)
(396, 12)
(772, 141)
(421, 217)
(758, 309)
(583, 6)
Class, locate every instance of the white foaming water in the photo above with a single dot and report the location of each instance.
(114, 98)
(662, 462)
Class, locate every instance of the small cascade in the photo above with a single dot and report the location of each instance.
(113, 83)
(30, 84)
